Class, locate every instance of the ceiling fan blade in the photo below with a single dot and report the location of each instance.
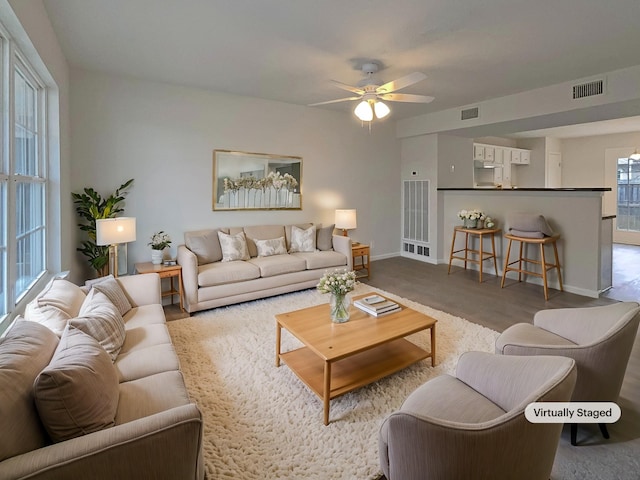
(348, 88)
(406, 97)
(401, 82)
(333, 101)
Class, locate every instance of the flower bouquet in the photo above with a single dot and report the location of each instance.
(338, 283)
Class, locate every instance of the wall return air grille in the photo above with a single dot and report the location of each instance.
(588, 89)
(470, 113)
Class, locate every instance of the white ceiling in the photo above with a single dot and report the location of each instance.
(288, 50)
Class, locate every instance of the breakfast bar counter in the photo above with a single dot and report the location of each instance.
(574, 213)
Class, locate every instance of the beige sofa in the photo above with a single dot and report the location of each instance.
(156, 432)
(210, 282)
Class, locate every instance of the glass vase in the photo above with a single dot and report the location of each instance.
(339, 304)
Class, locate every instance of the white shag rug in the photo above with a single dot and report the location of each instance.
(263, 422)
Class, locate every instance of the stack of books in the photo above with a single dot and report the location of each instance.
(377, 306)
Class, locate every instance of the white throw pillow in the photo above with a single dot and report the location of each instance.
(303, 240)
(272, 246)
(59, 301)
(234, 247)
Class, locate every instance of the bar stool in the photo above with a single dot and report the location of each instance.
(482, 255)
(544, 266)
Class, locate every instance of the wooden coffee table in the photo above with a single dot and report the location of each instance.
(339, 358)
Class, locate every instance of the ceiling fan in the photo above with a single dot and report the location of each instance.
(371, 93)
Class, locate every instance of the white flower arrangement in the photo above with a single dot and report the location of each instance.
(338, 282)
(160, 240)
(474, 214)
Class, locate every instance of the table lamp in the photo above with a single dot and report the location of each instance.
(346, 220)
(114, 231)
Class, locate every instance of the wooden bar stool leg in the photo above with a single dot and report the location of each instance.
(466, 249)
(493, 249)
(544, 272)
(453, 244)
(520, 261)
(555, 252)
(506, 264)
(481, 255)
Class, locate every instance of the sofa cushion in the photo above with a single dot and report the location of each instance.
(261, 232)
(205, 244)
(150, 395)
(112, 289)
(324, 237)
(142, 362)
(59, 301)
(25, 350)
(144, 315)
(230, 272)
(234, 246)
(273, 246)
(77, 393)
(278, 264)
(144, 337)
(315, 260)
(102, 320)
(303, 240)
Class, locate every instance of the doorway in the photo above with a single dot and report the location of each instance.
(622, 175)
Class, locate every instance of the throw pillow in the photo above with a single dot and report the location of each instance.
(25, 350)
(303, 240)
(102, 320)
(51, 317)
(324, 238)
(112, 289)
(234, 247)
(77, 393)
(273, 246)
(205, 245)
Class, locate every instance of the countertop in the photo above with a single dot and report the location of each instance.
(528, 189)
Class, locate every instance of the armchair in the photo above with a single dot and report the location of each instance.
(473, 425)
(599, 339)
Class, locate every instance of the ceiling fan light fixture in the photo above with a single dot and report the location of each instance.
(381, 110)
(364, 111)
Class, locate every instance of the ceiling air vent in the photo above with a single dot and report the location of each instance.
(588, 89)
(469, 113)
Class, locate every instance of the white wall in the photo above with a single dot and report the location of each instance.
(163, 136)
(583, 158)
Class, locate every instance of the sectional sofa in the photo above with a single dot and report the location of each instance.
(73, 406)
(253, 262)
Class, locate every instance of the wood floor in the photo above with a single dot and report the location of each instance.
(487, 304)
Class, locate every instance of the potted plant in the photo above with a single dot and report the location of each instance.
(338, 283)
(90, 206)
(159, 241)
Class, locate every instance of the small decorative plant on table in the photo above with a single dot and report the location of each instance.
(159, 241)
(470, 217)
(338, 283)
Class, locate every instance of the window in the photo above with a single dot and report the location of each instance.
(23, 180)
(628, 214)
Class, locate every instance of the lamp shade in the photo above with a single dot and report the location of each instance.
(363, 111)
(346, 219)
(635, 155)
(381, 110)
(110, 231)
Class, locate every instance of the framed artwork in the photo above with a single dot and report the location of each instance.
(256, 181)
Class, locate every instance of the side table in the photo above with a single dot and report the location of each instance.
(361, 251)
(481, 254)
(165, 271)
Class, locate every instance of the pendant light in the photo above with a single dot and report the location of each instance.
(635, 155)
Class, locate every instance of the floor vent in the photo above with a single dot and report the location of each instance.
(416, 249)
(470, 113)
(588, 89)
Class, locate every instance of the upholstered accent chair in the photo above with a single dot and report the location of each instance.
(472, 425)
(599, 339)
